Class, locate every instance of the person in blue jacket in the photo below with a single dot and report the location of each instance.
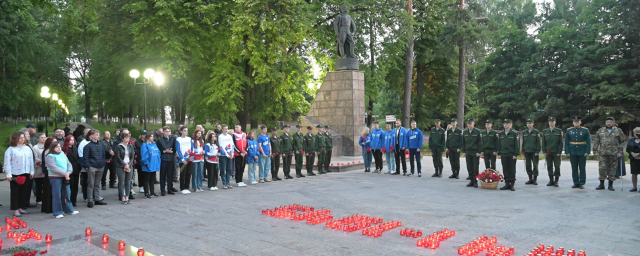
(252, 157)
(377, 138)
(414, 141)
(399, 147)
(150, 157)
(365, 143)
(387, 149)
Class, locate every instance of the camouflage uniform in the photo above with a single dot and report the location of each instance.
(607, 145)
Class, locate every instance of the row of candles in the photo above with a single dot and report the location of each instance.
(105, 240)
(549, 251)
(14, 223)
(379, 229)
(485, 242)
(433, 241)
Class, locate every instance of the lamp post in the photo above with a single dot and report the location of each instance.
(44, 93)
(61, 107)
(54, 97)
(148, 75)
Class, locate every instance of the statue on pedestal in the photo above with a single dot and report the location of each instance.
(345, 28)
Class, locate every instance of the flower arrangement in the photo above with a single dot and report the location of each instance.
(490, 175)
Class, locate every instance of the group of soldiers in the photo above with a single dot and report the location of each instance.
(298, 145)
(609, 144)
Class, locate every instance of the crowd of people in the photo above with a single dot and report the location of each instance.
(55, 169)
(609, 145)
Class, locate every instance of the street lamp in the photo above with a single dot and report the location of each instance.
(148, 75)
(54, 97)
(44, 93)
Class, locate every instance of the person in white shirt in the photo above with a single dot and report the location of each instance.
(225, 141)
(18, 165)
(183, 147)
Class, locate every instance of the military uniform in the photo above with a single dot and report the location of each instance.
(321, 144)
(286, 143)
(298, 148)
(472, 146)
(489, 144)
(508, 149)
(454, 142)
(531, 148)
(276, 151)
(607, 145)
(310, 150)
(328, 150)
(552, 148)
(577, 144)
(436, 145)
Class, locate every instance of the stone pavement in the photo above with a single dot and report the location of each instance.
(230, 221)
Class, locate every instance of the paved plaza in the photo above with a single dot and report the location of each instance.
(229, 222)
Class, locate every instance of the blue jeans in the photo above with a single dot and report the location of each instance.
(252, 172)
(265, 166)
(391, 161)
(367, 159)
(197, 175)
(225, 169)
(60, 197)
(414, 154)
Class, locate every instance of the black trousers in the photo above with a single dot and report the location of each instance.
(83, 183)
(38, 187)
(400, 159)
(275, 165)
(311, 158)
(489, 160)
(185, 176)
(75, 180)
(377, 156)
(147, 182)
(20, 193)
(240, 163)
(166, 175)
(299, 161)
(473, 163)
(212, 174)
(111, 167)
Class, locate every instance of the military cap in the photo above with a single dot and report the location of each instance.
(274, 129)
(309, 128)
(285, 126)
(318, 126)
(298, 126)
(454, 119)
(611, 118)
(576, 118)
(437, 120)
(488, 121)
(507, 121)
(551, 118)
(326, 127)
(31, 126)
(469, 120)
(529, 120)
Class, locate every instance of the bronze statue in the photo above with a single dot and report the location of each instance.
(345, 28)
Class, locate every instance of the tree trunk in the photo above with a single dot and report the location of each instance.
(408, 78)
(461, 85)
(87, 103)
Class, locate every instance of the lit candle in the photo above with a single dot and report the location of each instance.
(87, 231)
(141, 251)
(105, 238)
(48, 238)
(121, 245)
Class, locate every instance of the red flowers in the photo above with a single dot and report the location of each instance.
(291, 153)
(21, 179)
(391, 147)
(368, 149)
(490, 175)
(384, 150)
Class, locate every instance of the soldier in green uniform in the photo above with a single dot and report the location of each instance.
(552, 148)
(531, 148)
(489, 144)
(577, 145)
(454, 142)
(310, 151)
(436, 145)
(287, 150)
(275, 153)
(321, 144)
(298, 147)
(472, 148)
(328, 150)
(608, 145)
(508, 149)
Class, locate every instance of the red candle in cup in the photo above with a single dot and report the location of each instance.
(105, 238)
(121, 245)
(141, 252)
(48, 238)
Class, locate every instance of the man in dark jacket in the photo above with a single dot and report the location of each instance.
(93, 161)
(165, 145)
(109, 144)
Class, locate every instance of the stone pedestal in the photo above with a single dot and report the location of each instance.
(339, 103)
(347, 64)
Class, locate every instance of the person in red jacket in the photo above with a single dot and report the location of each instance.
(240, 142)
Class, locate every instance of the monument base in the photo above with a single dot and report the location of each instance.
(347, 64)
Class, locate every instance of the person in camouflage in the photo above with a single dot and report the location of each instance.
(608, 145)
(552, 148)
(298, 148)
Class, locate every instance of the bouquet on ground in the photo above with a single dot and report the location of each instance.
(490, 175)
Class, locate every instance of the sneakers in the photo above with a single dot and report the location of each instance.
(419, 174)
(185, 191)
(255, 182)
(141, 190)
(75, 212)
(213, 188)
(224, 186)
(229, 186)
(267, 180)
(59, 216)
(261, 181)
(241, 184)
(409, 174)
